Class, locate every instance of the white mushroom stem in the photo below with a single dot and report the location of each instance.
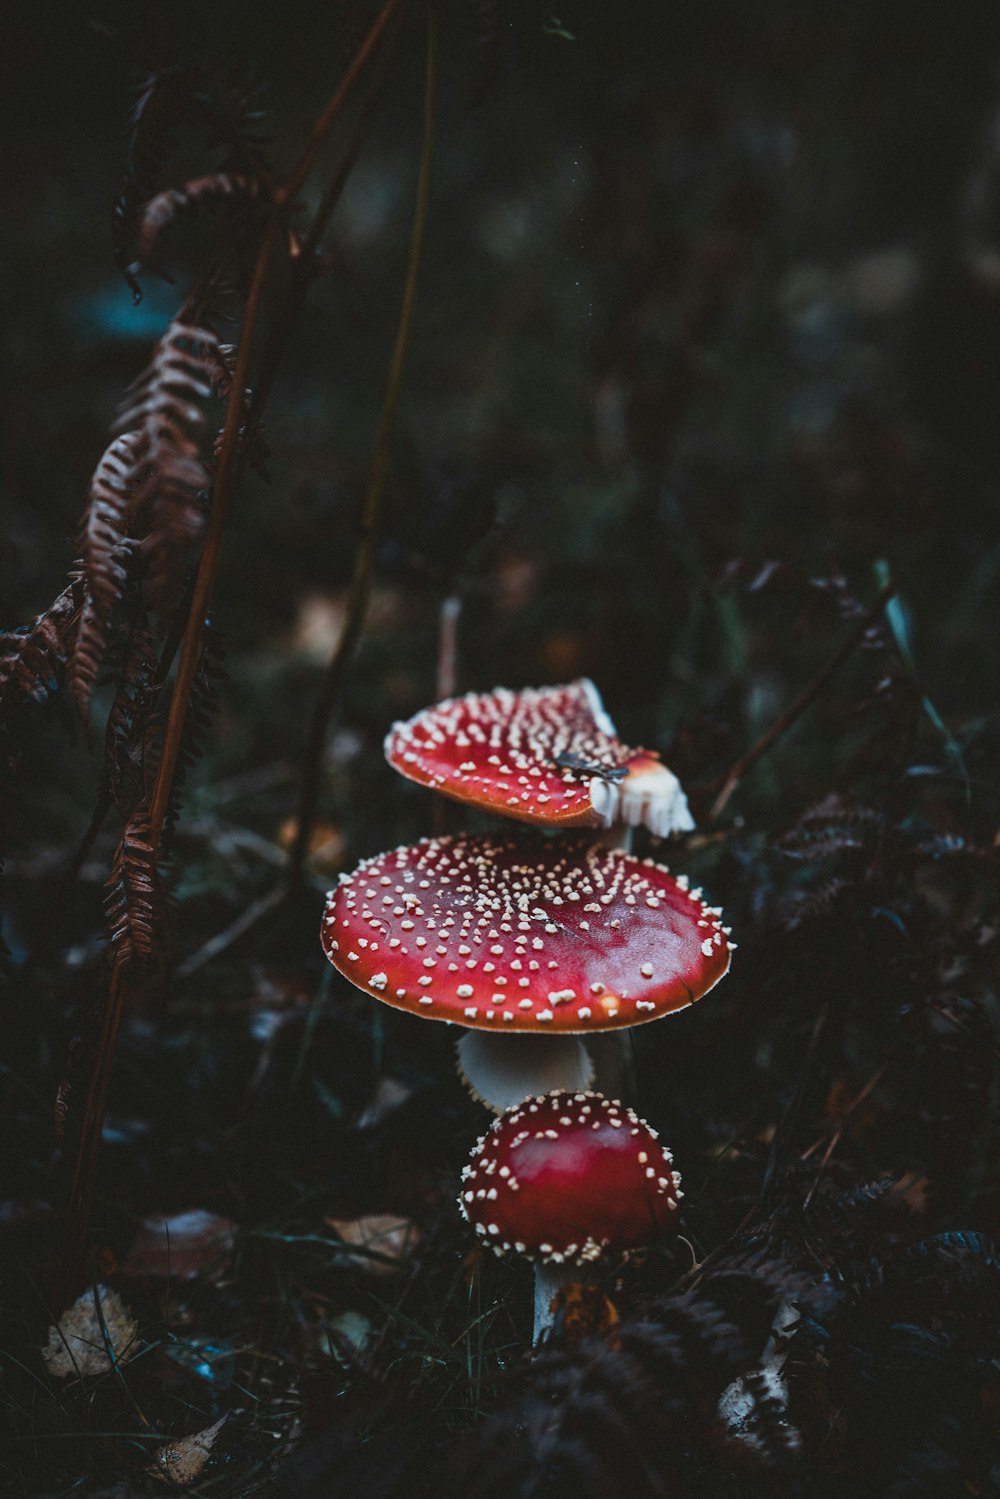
(651, 797)
(502, 1070)
(549, 1281)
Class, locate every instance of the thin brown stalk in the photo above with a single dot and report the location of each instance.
(81, 1192)
(361, 579)
(795, 710)
(227, 474)
(304, 267)
(327, 119)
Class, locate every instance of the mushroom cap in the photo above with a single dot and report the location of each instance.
(544, 755)
(524, 935)
(567, 1177)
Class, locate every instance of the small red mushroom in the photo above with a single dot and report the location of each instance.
(545, 755)
(511, 935)
(565, 1180)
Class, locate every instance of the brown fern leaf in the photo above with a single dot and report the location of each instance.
(170, 207)
(111, 491)
(162, 410)
(106, 549)
(138, 911)
(258, 451)
(159, 103)
(33, 657)
(131, 746)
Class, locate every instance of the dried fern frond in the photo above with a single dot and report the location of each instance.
(106, 548)
(178, 203)
(162, 409)
(131, 748)
(137, 907)
(160, 101)
(33, 658)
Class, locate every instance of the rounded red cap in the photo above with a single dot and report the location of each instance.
(524, 935)
(567, 1177)
(545, 755)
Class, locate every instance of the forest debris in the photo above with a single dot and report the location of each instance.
(185, 1246)
(82, 1345)
(384, 1240)
(390, 1094)
(584, 1311)
(183, 1461)
(343, 1338)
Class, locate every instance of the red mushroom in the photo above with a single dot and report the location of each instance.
(564, 1180)
(545, 755)
(510, 936)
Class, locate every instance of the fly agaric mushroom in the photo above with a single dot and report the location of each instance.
(514, 937)
(566, 1180)
(545, 755)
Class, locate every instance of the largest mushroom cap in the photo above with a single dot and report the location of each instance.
(545, 755)
(516, 935)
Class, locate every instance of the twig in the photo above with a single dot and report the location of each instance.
(247, 919)
(81, 1192)
(361, 579)
(834, 1139)
(447, 681)
(795, 710)
(304, 267)
(447, 664)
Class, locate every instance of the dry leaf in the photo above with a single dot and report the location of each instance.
(78, 1344)
(185, 1246)
(182, 1461)
(387, 1239)
(585, 1312)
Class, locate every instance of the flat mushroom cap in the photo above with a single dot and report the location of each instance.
(545, 755)
(566, 1177)
(513, 935)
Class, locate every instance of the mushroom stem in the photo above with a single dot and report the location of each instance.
(502, 1070)
(549, 1281)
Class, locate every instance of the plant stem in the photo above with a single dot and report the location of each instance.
(228, 471)
(81, 1192)
(795, 709)
(361, 579)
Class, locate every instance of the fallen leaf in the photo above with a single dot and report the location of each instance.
(584, 1312)
(182, 1461)
(343, 1335)
(384, 1240)
(184, 1246)
(80, 1345)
